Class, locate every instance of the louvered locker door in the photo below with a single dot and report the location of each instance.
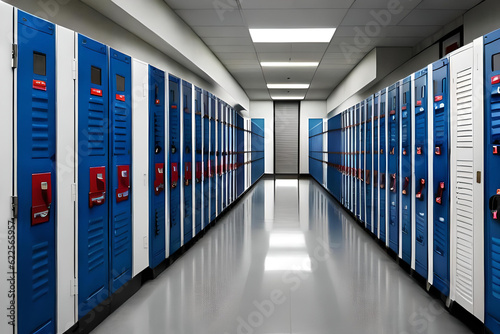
(467, 252)
(187, 159)
(383, 166)
(198, 164)
(405, 166)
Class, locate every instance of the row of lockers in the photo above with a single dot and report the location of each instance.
(416, 164)
(112, 167)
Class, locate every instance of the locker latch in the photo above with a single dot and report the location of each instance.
(159, 178)
(41, 198)
(439, 196)
(419, 150)
(404, 151)
(187, 173)
(495, 150)
(97, 193)
(174, 175)
(419, 193)
(405, 185)
(495, 205)
(392, 151)
(198, 172)
(393, 182)
(123, 190)
(368, 177)
(438, 150)
(382, 181)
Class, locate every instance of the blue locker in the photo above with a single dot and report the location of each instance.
(362, 167)
(36, 176)
(383, 164)
(240, 157)
(174, 160)
(187, 98)
(213, 167)
(224, 154)
(93, 159)
(157, 250)
(375, 150)
(198, 159)
(421, 173)
(492, 180)
(315, 149)
(406, 170)
(331, 174)
(120, 161)
(257, 149)
(393, 167)
(218, 151)
(369, 166)
(359, 163)
(206, 159)
(441, 170)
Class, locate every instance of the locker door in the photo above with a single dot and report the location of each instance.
(406, 170)
(93, 173)
(174, 127)
(375, 151)
(187, 159)
(224, 183)
(441, 179)
(120, 146)
(36, 175)
(359, 162)
(206, 159)
(218, 153)
(213, 156)
(240, 157)
(198, 177)
(492, 179)
(362, 158)
(393, 167)
(368, 165)
(383, 165)
(157, 166)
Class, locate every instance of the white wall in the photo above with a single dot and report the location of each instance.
(308, 109)
(83, 19)
(481, 20)
(265, 109)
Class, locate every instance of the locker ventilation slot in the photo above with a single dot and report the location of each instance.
(121, 145)
(96, 243)
(465, 229)
(495, 266)
(40, 269)
(96, 131)
(121, 233)
(420, 129)
(464, 109)
(421, 228)
(40, 125)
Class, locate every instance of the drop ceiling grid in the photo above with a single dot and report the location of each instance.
(223, 26)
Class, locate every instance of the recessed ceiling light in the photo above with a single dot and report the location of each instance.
(288, 97)
(288, 86)
(289, 64)
(315, 35)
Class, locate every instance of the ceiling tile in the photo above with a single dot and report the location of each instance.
(258, 94)
(285, 92)
(319, 94)
(432, 17)
(390, 31)
(384, 4)
(206, 31)
(236, 55)
(448, 4)
(197, 4)
(289, 56)
(211, 41)
(372, 17)
(292, 75)
(232, 48)
(294, 18)
(210, 17)
(295, 4)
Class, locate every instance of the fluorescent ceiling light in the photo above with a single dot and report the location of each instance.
(289, 64)
(315, 35)
(288, 97)
(288, 86)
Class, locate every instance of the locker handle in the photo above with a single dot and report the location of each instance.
(368, 177)
(41, 198)
(375, 179)
(439, 196)
(419, 193)
(494, 206)
(159, 183)
(405, 185)
(382, 181)
(393, 182)
(97, 193)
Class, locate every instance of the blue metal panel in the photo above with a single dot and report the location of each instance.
(393, 167)
(257, 149)
(240, 158)
(187, 97)
(120, 161)
(362, 168)
(405, 150)
(213, 166)
(224, 154)
(219, 156)
(441, 170)
(383, 165)
(206, 159)
(375, 151)
(174, 160)
(315, 149)
(93, 210)
(198, 159)
(369, 167)
(492, 180)
(36, 148)
(156, 166)
(359, 163)
(421, 173)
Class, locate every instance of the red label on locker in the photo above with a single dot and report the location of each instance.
(495, 149)
(95, 92)
(97, 193)
(438, 98)
(404, 108)
(41, 198)
(40, 85)
(122, 193)
(393, 112)
(419, 103)
(495, 80)
(174, 174)
(120, 97)
(157, 101)
(173, 106)
(159, 178)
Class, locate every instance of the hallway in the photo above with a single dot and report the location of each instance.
(285, 259)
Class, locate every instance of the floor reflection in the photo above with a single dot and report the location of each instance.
(286, 259)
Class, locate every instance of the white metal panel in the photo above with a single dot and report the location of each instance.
(140, 166)
(372, 152)
(66, 179)
(167, 164)
(386, 166)
(193, 158)
(467, 229)
(413, 189)
(6, 177)
(430, 176)
(400, 170)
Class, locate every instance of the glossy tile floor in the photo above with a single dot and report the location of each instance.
(286, 259)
